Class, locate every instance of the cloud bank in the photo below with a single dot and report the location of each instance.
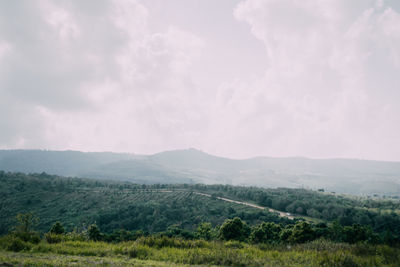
(292, 78)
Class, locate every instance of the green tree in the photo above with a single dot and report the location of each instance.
(285, 234)
(204, 230)
(266, 232)
(24, 229)
(94, 232)
(302, 232)
(57, 228)
(336, 232)
(355, 233)
(234, 229)
(26, 221)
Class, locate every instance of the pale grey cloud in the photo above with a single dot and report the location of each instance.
(329, 85)
(235, 78)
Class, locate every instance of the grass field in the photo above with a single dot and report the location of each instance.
(152, 251)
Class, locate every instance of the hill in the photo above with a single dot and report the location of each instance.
(193, 166)
(167, 225)
(103, 165)
(112, 205)
(153, 208)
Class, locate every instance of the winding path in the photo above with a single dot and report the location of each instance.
(281, 214)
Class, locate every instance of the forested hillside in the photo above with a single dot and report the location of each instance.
(50, 221)
(154, 208)
(352, 176)
(113, 205)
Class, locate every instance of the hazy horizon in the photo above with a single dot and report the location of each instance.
(233, 78)
(192, 148)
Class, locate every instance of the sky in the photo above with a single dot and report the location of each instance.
(234, 78)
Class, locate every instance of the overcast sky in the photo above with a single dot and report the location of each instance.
(236, 78)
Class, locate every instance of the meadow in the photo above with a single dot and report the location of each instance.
(165, 251)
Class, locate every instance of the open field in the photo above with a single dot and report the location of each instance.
(177, 252)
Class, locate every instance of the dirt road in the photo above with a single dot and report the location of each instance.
(281, 214)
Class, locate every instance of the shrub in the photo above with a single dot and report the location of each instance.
(75, 236)
(57, 228)
(266, 233)
(31, 237)
(302, 232)
(94, 232)
(390, 255)
(234, 229)
(139, 252)
(16, 244)
(204, 231)
(54, 238)
(285, 234)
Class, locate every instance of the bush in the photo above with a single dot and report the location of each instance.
(302, 232)
(54, 238)
(31, 237)
(94, 233)
(266, 233)
(76, 236)
(139, 252)
(234, 229)
(204, 231)
(389, 255)
(57, 228)
(16, 244)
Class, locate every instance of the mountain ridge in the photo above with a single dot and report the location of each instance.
(352, 176)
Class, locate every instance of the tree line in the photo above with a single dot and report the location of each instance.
(148, 209)
(235, 229)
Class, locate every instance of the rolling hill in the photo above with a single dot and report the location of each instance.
(193, 166)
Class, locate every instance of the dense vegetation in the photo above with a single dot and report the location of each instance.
(232, 244)
(177, 252)
(381, 215)
(77, 203)
(49, 220)
(80, 202)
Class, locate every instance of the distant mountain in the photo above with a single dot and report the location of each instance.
(104, 165)
(57, 162)
(194, 166)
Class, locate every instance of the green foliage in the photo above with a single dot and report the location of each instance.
(234, 229)
(156, 251)
(125, 211)
(94, 233)
(285, 234)
(57, 229)
(302, 232)
(173, 242)
(114, 205)
(138, 251)
(204, 231)
(54, 238)
(267, 232)
(23, 230)
(26, 222)
(16, 244)
(233, 244)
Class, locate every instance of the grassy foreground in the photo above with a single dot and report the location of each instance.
(165, 251)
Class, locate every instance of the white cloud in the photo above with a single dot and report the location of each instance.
(133, 87)
(98, 75)
(319, 93)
